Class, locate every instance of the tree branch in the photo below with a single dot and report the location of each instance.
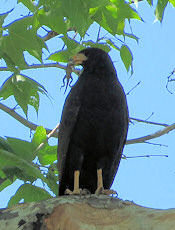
(22, 120)
(47, 65)
(148, 122)
(143, 139)
(148, 156)
(151, 136)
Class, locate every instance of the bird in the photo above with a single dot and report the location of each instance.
(93, 127)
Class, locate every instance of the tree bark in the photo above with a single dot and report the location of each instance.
(85, 213)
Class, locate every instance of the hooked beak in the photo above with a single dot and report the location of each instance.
(77, 59)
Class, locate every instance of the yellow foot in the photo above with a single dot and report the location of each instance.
(105, 191)
(77, 192)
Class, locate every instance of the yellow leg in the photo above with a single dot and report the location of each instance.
(99, 179)
(100, 188)
(76, 182)
(77, 190)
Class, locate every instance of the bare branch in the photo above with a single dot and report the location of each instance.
(149, 116)
(125, 157)
(133, 88)
(169, 80)
(151, 143)
(48, 65)
(4, 69)
(22, 120)
(148, 122)
(98, 35)
(33, 126)
(151, 136)
(50, 34)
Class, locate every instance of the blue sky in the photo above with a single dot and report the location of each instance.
(146, 181)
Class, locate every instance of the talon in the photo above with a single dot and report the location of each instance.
(105, 191)
(68, 192)
(99, 191)
(77, 191)
(74, 192)
(86, 192)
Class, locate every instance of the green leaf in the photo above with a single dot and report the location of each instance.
(5, 145)
(2, 17)
(5, 184)
(24, 89)
(126, 56)
(77, 12)
(112, 44)
(48, 154)
(150, 2)
(2, 175)
(72, 48)
(112, 16)
(13, 173)
(61, 56)
(52, 180)
(29, 193)
(160, 9)
(104, 46)
(172, 2)
(5, 181)
(6, 89)
(53, 18)
(29, 4)
(22, 37)
(131, 36)
(39, 136)
(22, 149)
(9, 159)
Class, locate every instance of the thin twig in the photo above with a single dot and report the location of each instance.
(22, 120)
(151, 136)
(50, 35)
(169, 80)
(75, 35)
(149, 116)
(133, 88)
(125, 157)
(151, 143)
(148, 122)
(33, 126)
(98, 35)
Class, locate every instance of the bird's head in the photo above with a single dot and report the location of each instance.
(89, 57)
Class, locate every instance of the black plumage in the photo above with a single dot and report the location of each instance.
(93, 126)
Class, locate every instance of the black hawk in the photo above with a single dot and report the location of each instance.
(93, 127)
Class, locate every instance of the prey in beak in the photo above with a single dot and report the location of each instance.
(76, 60)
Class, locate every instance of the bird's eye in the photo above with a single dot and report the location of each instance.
(86, 54)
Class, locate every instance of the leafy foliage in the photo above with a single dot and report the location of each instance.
(17, 159)
(160, 9)
(29, 193)
(24, 89)
(21, 37)
(126, 55)
(70, 21)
